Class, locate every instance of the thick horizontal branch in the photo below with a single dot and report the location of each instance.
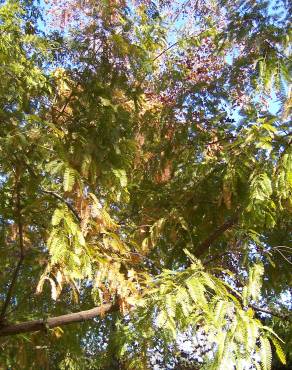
(36, 325)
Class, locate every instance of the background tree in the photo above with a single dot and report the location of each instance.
(145, 184)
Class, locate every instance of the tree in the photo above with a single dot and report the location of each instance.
(146, 181)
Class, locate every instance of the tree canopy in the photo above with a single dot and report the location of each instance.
(145, 184)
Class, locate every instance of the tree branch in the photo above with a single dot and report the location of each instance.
(215, 235)
(268, 312)
(65, 105)
(21, 258)
(164, 51)
(173, 45)
(182, 8)
(215, 257)
(57, 196)
(278, 51)
(36, 325)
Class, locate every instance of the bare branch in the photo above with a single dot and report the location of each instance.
(36, 325)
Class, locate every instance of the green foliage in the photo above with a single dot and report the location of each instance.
(253, 289)
(146, 163)
(196, 298)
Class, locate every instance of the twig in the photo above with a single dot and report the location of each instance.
(278, 51)
(65, 105)
(273, 313)
(215, 257)
(165, 50)
(57, 196)
(282, 254)
(182, 8)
